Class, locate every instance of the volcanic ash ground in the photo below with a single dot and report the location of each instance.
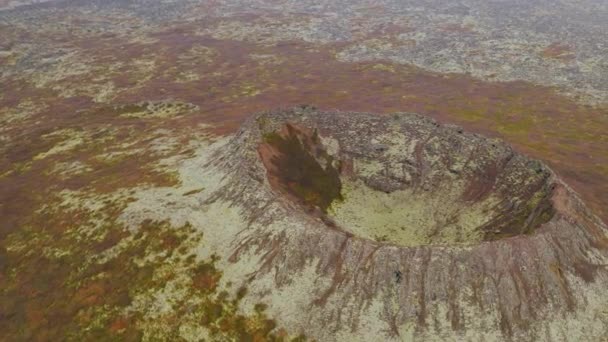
(353, 226)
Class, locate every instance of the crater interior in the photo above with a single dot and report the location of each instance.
(407, 181)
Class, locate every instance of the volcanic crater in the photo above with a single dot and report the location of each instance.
(397, 225)
(406, 180)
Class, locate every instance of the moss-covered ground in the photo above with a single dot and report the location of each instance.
(53, 284)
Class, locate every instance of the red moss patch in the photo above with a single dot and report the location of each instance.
(559, 51)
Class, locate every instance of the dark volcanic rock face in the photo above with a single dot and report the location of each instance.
(300, 167)
(357, 226)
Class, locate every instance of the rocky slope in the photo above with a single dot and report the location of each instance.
(355, 226)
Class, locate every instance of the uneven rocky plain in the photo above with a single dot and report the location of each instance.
(140, 197)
